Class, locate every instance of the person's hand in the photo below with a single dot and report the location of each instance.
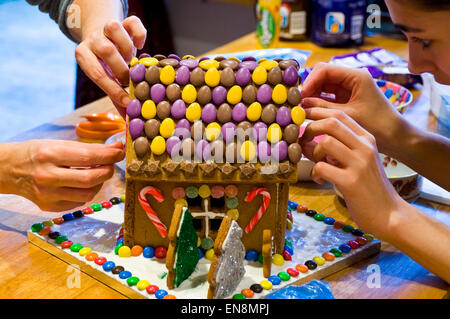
(58, 175)
(348, 158)
(105, 52)
(357, 94)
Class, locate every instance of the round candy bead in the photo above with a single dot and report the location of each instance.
(178, 193)
(289, 249)
(266, 284)
(239, 112)
(158, 145)
(264, 94)
(84, 251)
(286, 254)
(279, 94)
(106, 204)
(232, 202)
(194, 112)
(167, 75)
(247, 293)
(254, 111)
(345, 248)
(243, 77)
(207, 243)
(99, 260)
(269, 113)
(160, 252)
(348, 228)
(137, 73)
(124, 274)
(148, 252)
(209, 254)
(231, 190)
(91, 256)
(167, 128)
(251, 255)
(249, 94)
(116, 249)
(212, 77)
(96, 207)
(124, 251)
(60, 239)
(302, 268)
(338, 224)
(169, 296)
(298, 115)
(234, 95)
(209, 113)
(259, 75)
(249, 58)
(68, 216)
(290, 75)
(248, 151)
(284, 276)
(204, 191)
(233, 214)
(274, 133)
(151, 289)
(257, 288)
(319, 217)
(292, 272)
(278, 260)
(58, 220)
(328, 220)
(328, 256)
(54, 235)
(361, 241)
(160, 293)
(368, 237)
(319, 260)
(357, 232)
(182, 75)
(132, 281)
(136, 128)
(275, 280)
(108, 266)
(117, 270)
(142, 284)
(189, 93)
(157, 92)
(36, 227)
(136, 250)
(311, 264)
(336, 252)
(66, 244)
(264, 151)
(353, 244)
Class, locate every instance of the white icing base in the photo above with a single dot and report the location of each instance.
(99, 232)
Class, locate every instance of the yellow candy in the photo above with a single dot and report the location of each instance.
(259, 75)
(124, 251)
(158, 145)
(212, 131)
(277, 260)
(194, 112)
(167, 127)
(233, 214)
(234, 58)
(209, 254)
(84, 251)
(279, 94)
(122, 198)
(254, 111)
(199, 241)
(134, 61)
(268, 64)
(181, 202)
(142, 284)
(392, 99)
(204, 191)
(266, 284)
(262, 60)
(274, 133)
(147, 61)
(167, 75)
(148, 110)
(248, 151)
(208, 64)
(298, 115)
(189, 93)
(48, 223)
(187, 56)
(288, 224)
(212, 77)
(368, 236)
(234, 95)
(319, 260)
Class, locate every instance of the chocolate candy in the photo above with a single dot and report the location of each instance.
(229, 64)
(157, 92)
(224, 113)
(279, 94)
(159, 57)
(227, 77)
(197, 130)
(259, 131)
(259, 75)
(136, 127)
(212, 77)
(151, 128)
(141, 146)
(173, 92)
(280, 151)
(189, 93)
(203, 150)
(204, 95)
(294, 96)
(218, 150)
(243, 76)
(163, 109)
(285, 63)
(187, 148)
(212, 131)
(243, 130)
(219, 58)
(219, 95)
(209, 113)
(254, 111)
(264, 94)
(173, 146)
(183, 75)
(183, 129)
(247, 151)
(231, 153)
(283, 116)
(250, 65)
(290, 75)
(228, 131)
(249, 93)
(239, 112)
(234, 94)
(158, 145)
(178, 109)
(167, 75)
(298, 115)
(274, 133)
(152, 74)
(291, 132)
(142, 91)
(295, 153)
(148, 110)
(269, 113)
(194, 112)
(263, 151)
(275, 76)
(197, 76)
(134, 108)
(169, 61)
(167, 127)
(189, 63)
(137, 73)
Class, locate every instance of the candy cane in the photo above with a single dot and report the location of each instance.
(162, 229)
(266, 200)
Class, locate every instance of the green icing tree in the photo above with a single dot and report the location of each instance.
(187, 254)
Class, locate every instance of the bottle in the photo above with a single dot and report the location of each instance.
(268, 23)
(294, 19)
(338, 23)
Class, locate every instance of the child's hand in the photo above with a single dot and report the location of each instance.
(105, 52)
(348, 158)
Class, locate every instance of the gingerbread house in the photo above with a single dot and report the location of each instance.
(219, 136)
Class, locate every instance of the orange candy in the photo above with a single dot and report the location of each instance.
(248, 293)
(169, 296)
(328, 256)
(136, 250)
(58, 220)
(301, 268)
(45, 231)
(91, 256)
(338, 224)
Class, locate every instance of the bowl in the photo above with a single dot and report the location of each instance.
(398, 95)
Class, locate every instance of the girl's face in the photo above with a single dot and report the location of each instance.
(428, 34)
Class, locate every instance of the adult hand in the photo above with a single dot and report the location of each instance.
(57, 175)
(357, 94)
(105, 52)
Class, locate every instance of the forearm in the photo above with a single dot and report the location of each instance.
(94, 15)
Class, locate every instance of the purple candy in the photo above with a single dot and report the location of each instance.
(280, 151)
(183, 75)
(203, 150)
(173, 145)
(251, 65)
(228, 131)
(290, 75)
(239, 112)
(264, 94)
(283, 116)
(189, 63)
(243, 76)
(209, 113)
(203, 58)
(249, 58)
(219, 95)
(178, 109)
(263, 150)
(144, 55)
(136, 128)
(183, 129)
(137, 73)
(174, 56)
(259, 131)
(157, 92)
(134, 108)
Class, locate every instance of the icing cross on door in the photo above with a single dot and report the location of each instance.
(207, 214)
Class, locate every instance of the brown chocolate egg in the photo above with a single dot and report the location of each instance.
(294, 153)
(219, 58)
(141, 146)
(249, 94)
(197, 76)
(173, 92)
(163, 110)
(224, 113)
(229, 64)
(291, 133)
(170, 61)
(152, 74)
(197, 130)
(159, 57)
(187, 148)
(285, 63)
(243, 130)
(231, 152)
(151, 128)
(204, 95)
(269, 114)
(227, 77)
(142, 91)
(275, 75)
(294, 95)
(218, 150)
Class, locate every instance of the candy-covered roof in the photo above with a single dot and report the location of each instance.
(213, 119)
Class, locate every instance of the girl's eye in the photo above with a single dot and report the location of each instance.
(425, 43)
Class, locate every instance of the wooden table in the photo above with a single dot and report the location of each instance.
(29, 272)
